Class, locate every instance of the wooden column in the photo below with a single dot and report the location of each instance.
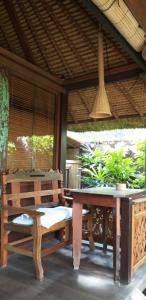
(126, 240)
(60, 144)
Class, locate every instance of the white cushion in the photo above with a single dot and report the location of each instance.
(50, 217)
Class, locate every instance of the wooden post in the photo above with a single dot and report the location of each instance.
(4, 219)
(60, 143)
(126, 244)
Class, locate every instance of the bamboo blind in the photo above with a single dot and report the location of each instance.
(31, 113)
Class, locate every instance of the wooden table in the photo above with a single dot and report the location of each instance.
(120, 202)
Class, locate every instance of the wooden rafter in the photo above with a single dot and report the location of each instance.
(128, 97)
(138, 9)
(114, 114)
(20, 33)
(27, 72)
(82, 100)
(112, 118)
(50, 36)
(77, 26)
(33, 32)
(111, 41)
(5, 38)
(65, 36)
(72, 117)
(115, 74)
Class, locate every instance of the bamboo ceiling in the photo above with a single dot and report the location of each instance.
(61, 38)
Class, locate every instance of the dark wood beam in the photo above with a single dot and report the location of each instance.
(33, 31)
(107, 25)
(115, 74)
(138, 9)
(30, 73)
(20, 33)
(112, 118)
(60, 133)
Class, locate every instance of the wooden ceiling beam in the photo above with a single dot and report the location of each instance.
(138, 9)
(34, 34)
(83, 101)
(20, 33)
(28, 72)
(5, 38)
(77, 26)
(122, 89)
(116, 74)
(49, 35)
(108, 38)
(106, 119)
(72, 117)
(66, 37)
(107, 25)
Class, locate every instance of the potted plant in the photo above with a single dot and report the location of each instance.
(119, 169)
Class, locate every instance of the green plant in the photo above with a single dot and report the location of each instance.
(11, 148)
(41, 144)
(92, 167)
(119, 169)
(97, 175)
(141, 158)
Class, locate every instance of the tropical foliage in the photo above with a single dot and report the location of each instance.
(40, 144)
(11, 148)
(103, 168)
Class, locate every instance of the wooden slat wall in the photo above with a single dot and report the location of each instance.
(31, 112)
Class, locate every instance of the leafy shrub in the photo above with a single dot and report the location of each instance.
(107, 168)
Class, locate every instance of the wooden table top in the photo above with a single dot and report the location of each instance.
(109, 191)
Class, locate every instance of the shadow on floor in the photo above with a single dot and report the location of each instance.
(94, 280)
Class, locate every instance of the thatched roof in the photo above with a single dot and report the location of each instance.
(126, 98)
(108, 136)
(58, 36)
(61, 38)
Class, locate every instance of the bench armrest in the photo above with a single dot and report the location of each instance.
(67, 198)
(22, 210)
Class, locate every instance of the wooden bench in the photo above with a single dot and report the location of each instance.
(43, 189)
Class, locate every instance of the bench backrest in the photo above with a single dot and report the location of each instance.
(31, 188)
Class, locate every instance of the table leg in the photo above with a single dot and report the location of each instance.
(117, 240)
(77, 234)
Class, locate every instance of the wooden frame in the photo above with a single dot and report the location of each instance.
(36, 231)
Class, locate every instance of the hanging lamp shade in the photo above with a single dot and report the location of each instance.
(101, 108)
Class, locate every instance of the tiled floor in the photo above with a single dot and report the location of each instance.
(94, 280)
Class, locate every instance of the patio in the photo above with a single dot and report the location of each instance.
(50, 72)
(94, 280)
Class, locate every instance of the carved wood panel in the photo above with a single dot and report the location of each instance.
(138, 234)
(102, 228)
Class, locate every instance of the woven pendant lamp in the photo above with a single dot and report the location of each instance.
(101, 108)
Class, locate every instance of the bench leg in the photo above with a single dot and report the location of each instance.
(4, 252)
(66, 235)
(37, 243)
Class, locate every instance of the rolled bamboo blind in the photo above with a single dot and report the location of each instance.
(31, 113)
(121, 17)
